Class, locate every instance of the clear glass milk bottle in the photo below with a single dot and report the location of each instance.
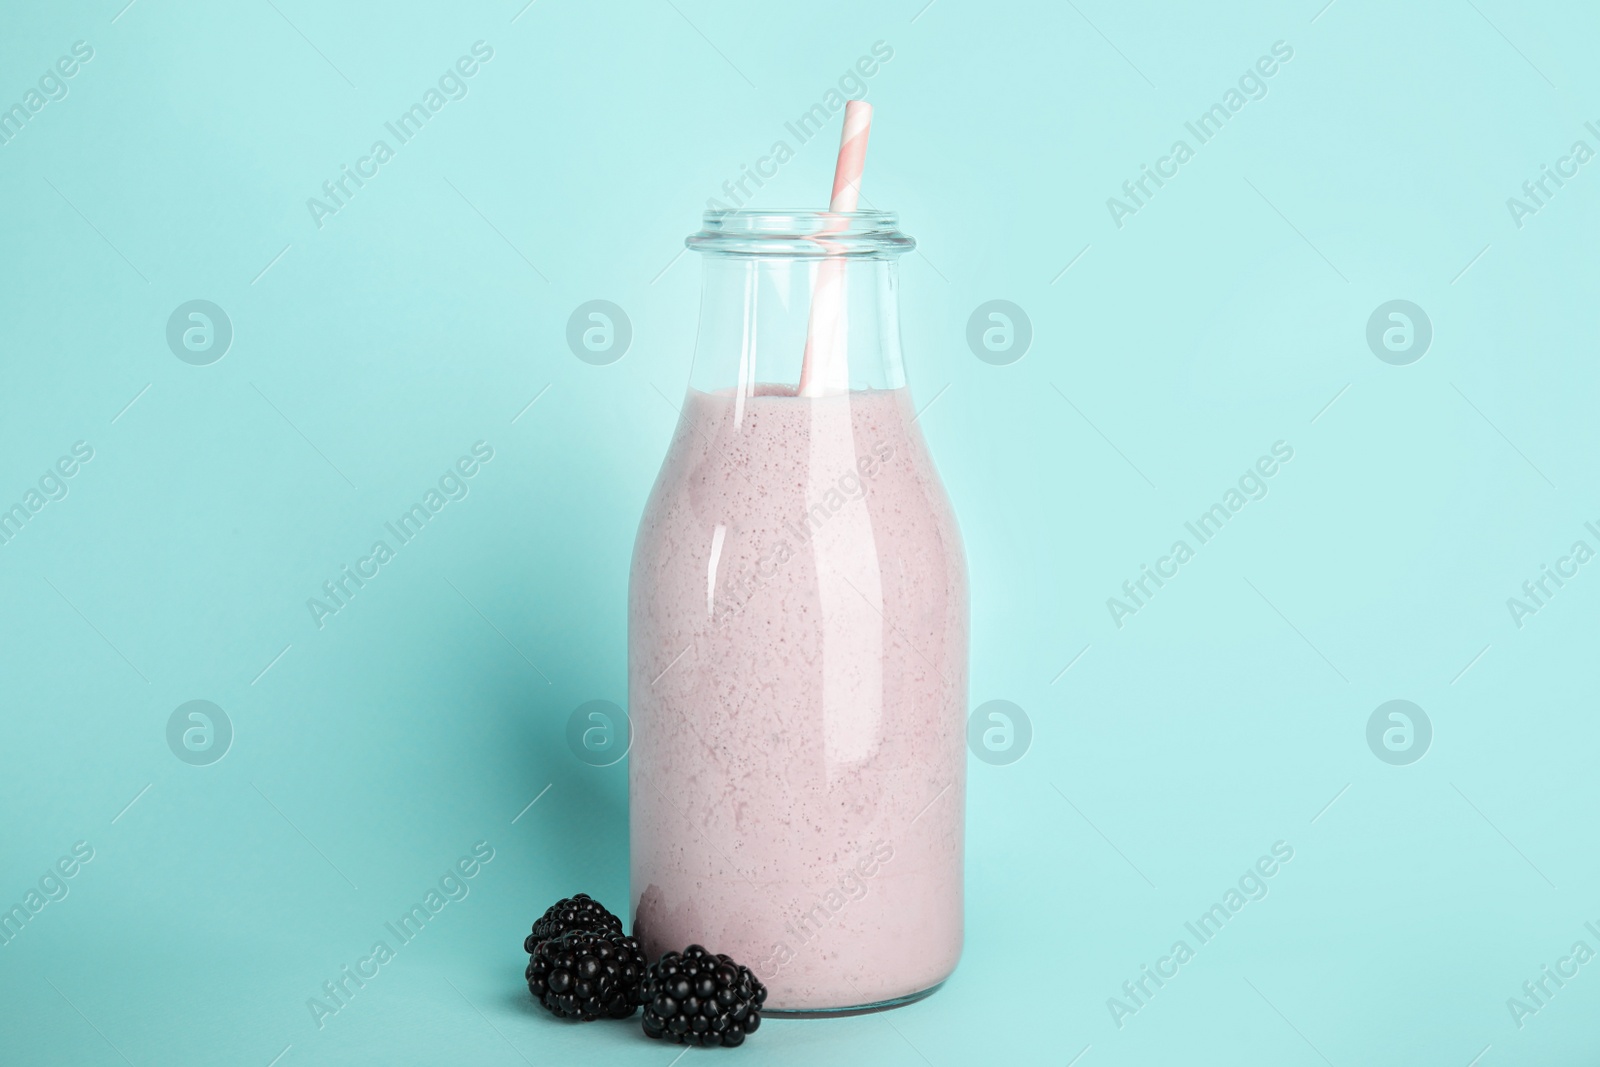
(797, 639)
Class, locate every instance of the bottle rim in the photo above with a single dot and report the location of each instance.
(801, 234)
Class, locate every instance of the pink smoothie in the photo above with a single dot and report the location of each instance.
(798, 689)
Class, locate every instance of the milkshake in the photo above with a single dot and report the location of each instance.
(798, 646)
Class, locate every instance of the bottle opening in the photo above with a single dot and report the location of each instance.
(801, 233)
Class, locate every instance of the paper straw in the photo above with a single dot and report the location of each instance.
(824, 368)
(852, 156)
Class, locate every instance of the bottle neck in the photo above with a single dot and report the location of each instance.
(756, 315)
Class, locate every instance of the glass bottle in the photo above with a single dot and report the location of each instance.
(797, 637)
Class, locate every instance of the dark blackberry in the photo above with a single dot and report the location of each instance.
(581, 912)
(696, 998)
(585, 974)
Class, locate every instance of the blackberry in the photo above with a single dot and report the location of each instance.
(696, 998)
(581, 912)
(585, 974)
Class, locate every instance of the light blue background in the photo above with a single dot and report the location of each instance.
(371, 353)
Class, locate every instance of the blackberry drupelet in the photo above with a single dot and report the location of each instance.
(697, 998)
(581, 912)
(584, 974)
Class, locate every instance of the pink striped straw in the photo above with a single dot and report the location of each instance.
(824, 369)
(852, 156)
